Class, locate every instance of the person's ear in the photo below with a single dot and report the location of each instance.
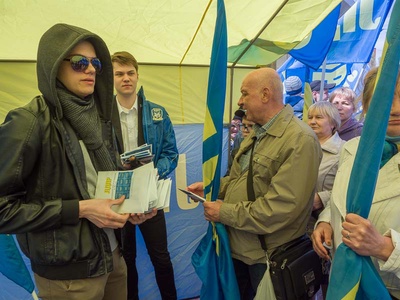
(266, 93)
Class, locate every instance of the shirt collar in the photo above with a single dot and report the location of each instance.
(122, 109)
(260, 130)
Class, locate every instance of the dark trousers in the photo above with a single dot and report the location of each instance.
(248, 278)
(154, 233)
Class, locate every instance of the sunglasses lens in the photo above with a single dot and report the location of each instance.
(96, 63)
(79, 63)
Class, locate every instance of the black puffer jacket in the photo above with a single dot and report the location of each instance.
(43, 174)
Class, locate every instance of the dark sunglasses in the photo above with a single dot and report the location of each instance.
(80, 63)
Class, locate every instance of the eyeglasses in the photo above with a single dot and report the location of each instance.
(246, 127)
(80, 63)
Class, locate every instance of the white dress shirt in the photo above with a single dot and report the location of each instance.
(129, 125)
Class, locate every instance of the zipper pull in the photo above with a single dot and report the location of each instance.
(283, 263)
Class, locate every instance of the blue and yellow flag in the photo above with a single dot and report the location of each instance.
(354, 276)
(12, 265)
(313, 51)
(212, 259)
(278, 36)
(213, 124)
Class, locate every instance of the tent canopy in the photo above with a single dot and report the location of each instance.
(171, 39)
(159, 31)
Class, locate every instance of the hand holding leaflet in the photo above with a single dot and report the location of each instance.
(193, 195)
(138, 156)
(139, 186)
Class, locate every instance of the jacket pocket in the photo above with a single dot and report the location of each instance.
(264, 169)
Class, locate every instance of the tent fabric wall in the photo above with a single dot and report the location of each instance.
(182, 90)
(18, 85)
(160, 31)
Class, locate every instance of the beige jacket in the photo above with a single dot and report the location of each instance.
(328, 168)
(285, 170)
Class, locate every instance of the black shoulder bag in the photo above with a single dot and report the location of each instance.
(295, 268)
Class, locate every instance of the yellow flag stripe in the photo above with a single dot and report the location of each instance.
(209, 127)
(351, 295)
(209, 170)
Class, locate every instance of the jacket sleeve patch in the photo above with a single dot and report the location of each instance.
(157, 114)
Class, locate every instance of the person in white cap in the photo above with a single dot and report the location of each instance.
(294, 87)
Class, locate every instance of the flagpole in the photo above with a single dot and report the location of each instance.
(321, 89)
(212, 258)
(35, 296)
(230, 111)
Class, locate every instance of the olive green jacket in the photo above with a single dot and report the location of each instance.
(285, 170)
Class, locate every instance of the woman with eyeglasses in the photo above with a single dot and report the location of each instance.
(52, 149)
(324, 120)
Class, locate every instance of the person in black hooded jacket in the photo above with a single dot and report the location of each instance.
(52, 149)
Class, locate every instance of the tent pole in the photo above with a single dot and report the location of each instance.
(231, 93)
(259, 33)
(321, 89)
(230, 110)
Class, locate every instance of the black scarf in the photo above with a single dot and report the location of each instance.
(84, 119)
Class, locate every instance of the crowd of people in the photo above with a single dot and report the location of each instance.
(281, 200)
(377, 236)
(287, 177)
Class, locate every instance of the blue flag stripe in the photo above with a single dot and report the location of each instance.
(12, 265)
(212, 145)
(212, 259)
(314, 53)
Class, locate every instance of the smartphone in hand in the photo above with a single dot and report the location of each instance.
(193, 195)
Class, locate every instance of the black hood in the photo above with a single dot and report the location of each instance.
(54, 46)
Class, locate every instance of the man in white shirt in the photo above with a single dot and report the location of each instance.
(137, 121)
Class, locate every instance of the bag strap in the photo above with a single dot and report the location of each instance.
(250, 188)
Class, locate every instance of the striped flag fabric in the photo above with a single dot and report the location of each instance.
(213, 124)
(354, 276)
(278, 36)
(212, 259)
(314, 52)
(12, 265)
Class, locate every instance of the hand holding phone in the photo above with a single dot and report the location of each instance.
(193, 195)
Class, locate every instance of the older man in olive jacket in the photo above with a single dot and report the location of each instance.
(284, 164)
